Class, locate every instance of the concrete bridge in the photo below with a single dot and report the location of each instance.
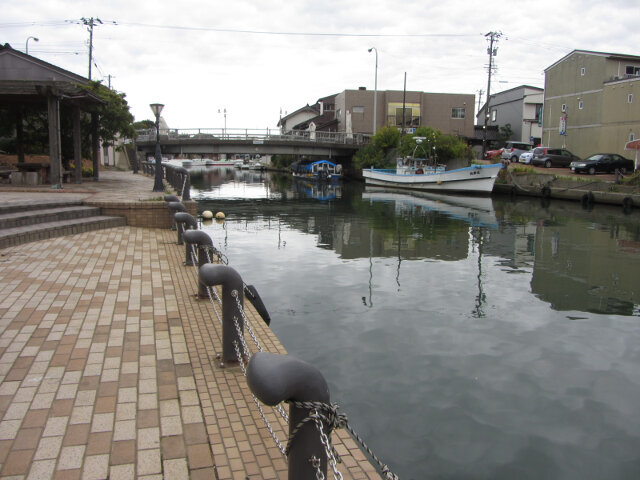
(251, 141)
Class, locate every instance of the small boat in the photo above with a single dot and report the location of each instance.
(187, 163)
(420, 174)
(218, 163)
(256, 166)
(320, 170)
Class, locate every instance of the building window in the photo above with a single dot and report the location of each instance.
(630, 98)
(457, 112)
(580, 105)
(411, 114)
(564, 107)
(632, 137)
(494, 115)
(358, 109)
(632, 71)
(583, 71)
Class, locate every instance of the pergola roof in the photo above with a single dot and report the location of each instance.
(26, 79)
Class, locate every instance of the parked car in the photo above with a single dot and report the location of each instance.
(526, 157)
(602, 162)
(553, 157)
(513, 150)
(493, 154)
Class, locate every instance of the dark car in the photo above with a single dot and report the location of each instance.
(553, 157)
(602, 162)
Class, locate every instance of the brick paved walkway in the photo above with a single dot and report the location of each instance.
(108, 368)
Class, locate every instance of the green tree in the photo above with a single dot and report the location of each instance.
(380, 153)
(387, 144)
(505, 133)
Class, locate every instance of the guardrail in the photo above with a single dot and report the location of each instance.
(256, 135)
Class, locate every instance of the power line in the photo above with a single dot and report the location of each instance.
(300, 34)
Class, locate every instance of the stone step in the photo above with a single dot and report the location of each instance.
(46, 215)
(22, 206)
(42, 231)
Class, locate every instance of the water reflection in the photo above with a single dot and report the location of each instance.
(448, 332)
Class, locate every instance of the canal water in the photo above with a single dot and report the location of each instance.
(465, 338)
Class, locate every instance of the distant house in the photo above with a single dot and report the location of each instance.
(521, 108)
(351, 111)
(592, 102)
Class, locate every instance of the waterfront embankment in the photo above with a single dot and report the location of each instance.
(108, 362)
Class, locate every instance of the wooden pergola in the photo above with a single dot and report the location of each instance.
(26, 80)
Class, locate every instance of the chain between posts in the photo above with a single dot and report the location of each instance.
(184, 184)
(336, 420)
(255, 400)
(209, 289)
(331, 415)
(247, 324)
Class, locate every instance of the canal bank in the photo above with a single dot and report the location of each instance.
(563, 185)
(108, 362)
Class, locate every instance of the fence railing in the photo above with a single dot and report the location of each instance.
(177, 177)
(273, 379)
(256, 135)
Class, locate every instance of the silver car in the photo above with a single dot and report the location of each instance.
(526, 157)
(513, 150)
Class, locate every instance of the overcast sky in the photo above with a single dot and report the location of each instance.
(257, 59)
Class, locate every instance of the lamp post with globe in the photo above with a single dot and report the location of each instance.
(156, 108)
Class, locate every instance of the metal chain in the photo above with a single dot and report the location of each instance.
(255, 400)
(328, 447)
(316, 463)
(247, 325)
(235, 295)
(337, 420)
(184, 184)
(209, 289)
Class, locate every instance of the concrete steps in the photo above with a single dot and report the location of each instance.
(23, 222)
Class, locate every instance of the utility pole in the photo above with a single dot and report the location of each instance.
(492, 51)
(480, 93)
(90, 23)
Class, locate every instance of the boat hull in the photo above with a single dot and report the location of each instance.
(478, 179)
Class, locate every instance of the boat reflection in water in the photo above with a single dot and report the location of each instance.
(478, 211)
(323, 191)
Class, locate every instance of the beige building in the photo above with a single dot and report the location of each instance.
(351, 111)
(592, 103)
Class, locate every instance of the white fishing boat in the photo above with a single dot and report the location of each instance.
(419, 174)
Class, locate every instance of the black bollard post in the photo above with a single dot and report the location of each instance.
(275, 378)
(202, 242)
(185, 221)
(174, 208)
(186, 182)
(231, 282)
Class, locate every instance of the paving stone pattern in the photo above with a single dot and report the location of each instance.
(108, 368)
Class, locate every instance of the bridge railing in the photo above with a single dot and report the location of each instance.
(257, 135)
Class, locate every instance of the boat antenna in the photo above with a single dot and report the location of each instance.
(419, 144)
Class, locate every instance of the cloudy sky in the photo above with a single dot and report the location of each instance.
(258, 59)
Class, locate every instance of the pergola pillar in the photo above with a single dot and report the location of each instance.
(55, 151)
(77, 144)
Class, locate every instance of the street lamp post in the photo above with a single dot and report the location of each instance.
(375, 93)
(224, 132)
(26, 47)
(156, 108)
